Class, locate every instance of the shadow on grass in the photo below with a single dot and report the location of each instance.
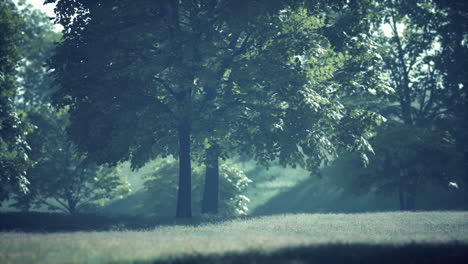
(340, 253)
(57, 222)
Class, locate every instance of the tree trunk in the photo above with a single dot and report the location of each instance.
(184, 195)
(401, 198)
(406, 199)
(70, 202)
(72, 207)
(211, 190)
(402, 194)
(410, 206)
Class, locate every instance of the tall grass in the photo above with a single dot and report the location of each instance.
(263, 234)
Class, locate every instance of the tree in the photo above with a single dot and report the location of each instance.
(285, 128)
(410, 35)
(62, 177)
(39, 38)
(452, 62)
(13, 147)
(407, 160)
(417, 60)
(140, 76)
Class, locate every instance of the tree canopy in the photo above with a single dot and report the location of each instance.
(297, 83)
(145, 79)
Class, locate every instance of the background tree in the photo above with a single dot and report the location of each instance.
(408, 37)
(452, 63)
(167, 84)
(409, 50)
(58, 169)
(39, 38)
(62, 177)
(417, 59)
(13, 147)
(408, 160)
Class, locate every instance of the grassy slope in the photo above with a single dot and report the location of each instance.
(262, 236)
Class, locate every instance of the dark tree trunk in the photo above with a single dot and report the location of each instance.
(70, 203)
(401, 198)
(402, 192)
(211, 190)
(406, 199)
(410, 206)
(184, 195)
(72, 208)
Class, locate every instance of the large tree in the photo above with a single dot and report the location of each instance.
(145, 79)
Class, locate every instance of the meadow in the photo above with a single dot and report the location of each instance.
(387, 237)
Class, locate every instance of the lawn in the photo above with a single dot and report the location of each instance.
(429, 237)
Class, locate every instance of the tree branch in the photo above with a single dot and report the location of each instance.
(167, 87)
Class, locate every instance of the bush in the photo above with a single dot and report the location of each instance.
(162, 188)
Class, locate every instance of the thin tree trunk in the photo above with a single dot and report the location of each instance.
(401, 198)
(184, 196)
(410, 202)
(211, 190)
(401, 191)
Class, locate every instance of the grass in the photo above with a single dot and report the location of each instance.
(429, 237)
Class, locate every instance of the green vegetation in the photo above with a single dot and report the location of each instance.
(218, 85)
(142, 110)
(297, 84)
(62, 177)
(13, 146)
(160, 190)
(262, 236)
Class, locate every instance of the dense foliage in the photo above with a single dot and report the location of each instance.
(13, 146)
(60, 176)
(210, 79)
(408, 160)
(63, 178)
(295, 83)
(420, 148)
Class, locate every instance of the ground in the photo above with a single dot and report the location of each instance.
(426, 237)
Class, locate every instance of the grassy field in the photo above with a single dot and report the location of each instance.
(426, 237)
